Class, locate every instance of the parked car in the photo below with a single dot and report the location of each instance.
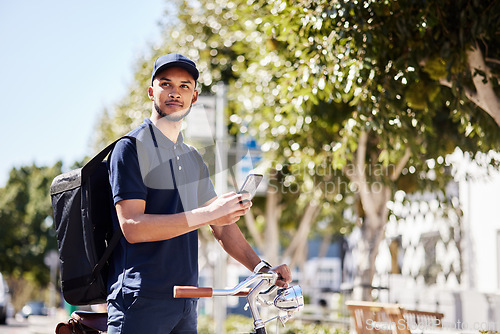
(4, 299)
(34, 308)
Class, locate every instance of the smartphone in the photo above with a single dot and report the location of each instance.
(250, 185)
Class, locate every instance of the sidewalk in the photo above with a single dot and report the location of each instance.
(34, 324)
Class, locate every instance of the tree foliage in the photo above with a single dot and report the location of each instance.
(382, 90)
(308, 84)
(26, 231)
(351, 100)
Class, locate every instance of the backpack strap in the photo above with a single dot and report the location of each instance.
(95, 161)
(117, 235)
(115, 239)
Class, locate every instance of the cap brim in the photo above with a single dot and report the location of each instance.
(189, 68)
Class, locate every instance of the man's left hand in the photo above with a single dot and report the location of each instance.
(284, 275)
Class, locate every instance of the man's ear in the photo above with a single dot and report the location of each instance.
(195, 97)
(150, 93)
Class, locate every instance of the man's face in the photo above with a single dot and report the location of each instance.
(173, 92)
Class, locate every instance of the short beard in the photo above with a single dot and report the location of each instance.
(172, 118)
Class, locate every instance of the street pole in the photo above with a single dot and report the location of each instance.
(52, 261)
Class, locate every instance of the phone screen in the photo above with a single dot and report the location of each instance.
(251, 184)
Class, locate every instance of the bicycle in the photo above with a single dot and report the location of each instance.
(287, 300)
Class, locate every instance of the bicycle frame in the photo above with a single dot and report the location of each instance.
(289, 299)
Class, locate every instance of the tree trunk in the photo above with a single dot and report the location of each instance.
(374, 197)
(267, 243)
(372, 234)
(297, 248)
(271, 245)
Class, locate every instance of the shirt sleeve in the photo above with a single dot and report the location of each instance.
(125, 173)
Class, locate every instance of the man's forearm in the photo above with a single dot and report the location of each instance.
(235, 244)
(138, 226)
(141, 227)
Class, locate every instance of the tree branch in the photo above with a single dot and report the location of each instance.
(484, 96)
(401, 164)
(310, 212)
(492, 60)
(490, 103)
(469, 93)
(369, 205)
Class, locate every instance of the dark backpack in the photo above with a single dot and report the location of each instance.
(82, 206)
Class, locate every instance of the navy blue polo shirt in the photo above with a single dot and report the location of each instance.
(171, 178)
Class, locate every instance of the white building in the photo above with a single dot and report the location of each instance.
(481, 205)
(448, 263)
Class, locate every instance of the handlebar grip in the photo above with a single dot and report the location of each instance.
(192, 292)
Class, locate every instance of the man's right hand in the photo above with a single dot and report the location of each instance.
(228, 208)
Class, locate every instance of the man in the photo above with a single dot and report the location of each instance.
(163, 194)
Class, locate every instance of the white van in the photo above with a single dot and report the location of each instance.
(4, 299)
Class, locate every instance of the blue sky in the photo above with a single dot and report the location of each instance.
(61, 63)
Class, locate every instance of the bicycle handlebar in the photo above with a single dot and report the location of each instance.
(240, 290)
(200, 292)
(289, 299)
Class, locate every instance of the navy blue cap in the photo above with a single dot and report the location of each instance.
(175, 60)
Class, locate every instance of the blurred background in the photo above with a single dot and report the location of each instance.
(376, 125)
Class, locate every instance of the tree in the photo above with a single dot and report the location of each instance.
(377, 92)
(385, 89)
(26, 231)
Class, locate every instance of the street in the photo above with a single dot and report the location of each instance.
(33, 325)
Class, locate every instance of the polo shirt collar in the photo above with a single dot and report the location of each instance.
(161, 139)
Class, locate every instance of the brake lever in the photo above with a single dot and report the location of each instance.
(271, 289)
